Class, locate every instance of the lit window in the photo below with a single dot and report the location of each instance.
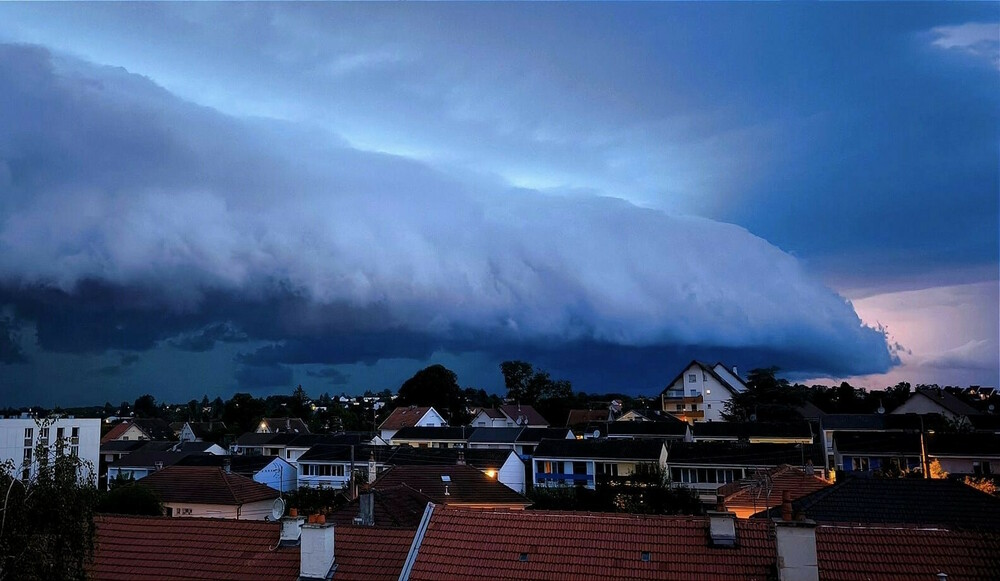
(708, 392)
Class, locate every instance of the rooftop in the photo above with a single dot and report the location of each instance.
(584, 417)
(496, 435)
(206, 485)
(403, 417)
(535, 435)
(743, 454)
(617, 449)
(524, 415)
(454, 433)
(914, 501)
(754, 494)
(747, 430)
(452, 485)
(394, 506)
(466, 544)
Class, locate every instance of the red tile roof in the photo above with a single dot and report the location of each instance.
(751, 495)
(206, 485)
(370, 553)
(524, 415)
(583, 417)
(470, 544)
(853, 553)
(154, 548)
(403, 417)
(466, 486)
(116, 432)
(394, 506)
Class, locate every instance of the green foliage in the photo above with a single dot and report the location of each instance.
(767, 399)
(527, 386)
(130, 498)
(145, 407)
(315, 500)
(243, 412)
(47, 525)
(435, 386)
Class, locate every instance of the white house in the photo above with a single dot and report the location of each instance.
(699, 393)
(509, 416)
(19, 438)
(585, 462)
(202, 491)
(405, 417)
(935, 401)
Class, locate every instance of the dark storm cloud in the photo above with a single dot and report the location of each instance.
(131, 218)
(11, 351)
(125, 360)
(333, 375)
(204, 339)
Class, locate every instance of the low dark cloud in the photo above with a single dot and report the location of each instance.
(263, 376)
(205, 338)
(11, 351)
(126, 360)
(333, 375)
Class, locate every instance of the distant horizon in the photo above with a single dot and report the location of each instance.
(255, 196)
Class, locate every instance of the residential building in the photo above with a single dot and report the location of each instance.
(873, 451)
(282, 426)
(700, 392)
(529, 438)
(672, 430)
(208, 491)
(432, 436)
(139, 429)
(142, 463)
(754, 432)
(765, 489)
(405, 417)
(587, 462)
(201, 431)
(935, 401)
(971, 454)
(455, 485)
(268, 470)
(899, 501)
(20, 439)
(704, 466)
(578, 420)
(495, 438)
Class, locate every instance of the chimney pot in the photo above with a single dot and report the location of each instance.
(321, 519)
(786, 506)
(293, 512)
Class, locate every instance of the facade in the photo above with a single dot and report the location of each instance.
(404, 417)
(20, 438)
(700, 392)
(704, 466)
(935, 401)
(433, 436)
(211, 492)
(282, 426)
(753, 432)
(586, 462)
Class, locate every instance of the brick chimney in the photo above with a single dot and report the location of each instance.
(316, 557)
(796, 543)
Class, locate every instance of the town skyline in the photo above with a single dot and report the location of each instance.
(226, 198)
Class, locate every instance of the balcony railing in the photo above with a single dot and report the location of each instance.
(569, 478)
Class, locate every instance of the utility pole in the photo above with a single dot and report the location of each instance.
(925, 467)
(351, 479)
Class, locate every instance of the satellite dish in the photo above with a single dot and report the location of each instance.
(277, 509)
(881, 410)
(596, 434)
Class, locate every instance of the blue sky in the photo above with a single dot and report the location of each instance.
(202, 198)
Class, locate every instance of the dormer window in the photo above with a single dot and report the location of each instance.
(523, 557)
(644, 556)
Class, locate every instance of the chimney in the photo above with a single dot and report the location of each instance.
(722, 525)
(372, 468)
(291, 528)
(227, 466)
(316, 559)
(366, 513)
(796, 542)
(736, 372)
(461, 459)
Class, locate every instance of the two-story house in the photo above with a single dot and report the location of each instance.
(405, 417)
(700, 392)
(586, 462)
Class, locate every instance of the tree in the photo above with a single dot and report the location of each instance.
(130, 498)
(527, 386)
(435, 386)
(298, 404)
(243, 412)
(766, 399)
(47, 527)
(145, 407)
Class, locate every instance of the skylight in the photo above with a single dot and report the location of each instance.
(445, 478)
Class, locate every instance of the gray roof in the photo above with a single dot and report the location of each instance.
(456, 433)
(644, 450)
(535, 435)
(494, 435)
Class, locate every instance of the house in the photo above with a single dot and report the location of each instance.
(509, 416)
(529, 438)
(673, 430)
(704, 466)
(405, 417)
(139, 429)
(155, 548)
(580, 419)
(287, 445)
(935, 401)
(209, 491)
(968, 454)
(142, 463)
(432, 436)
(633, 416)
(282, 426)
(457, 485)
(489, 418)
(268, 470)
(899, 501)
(753, 432)
(201, 431)
(587, 462)
(20, 438)
(874, 451)
(700, 392)
(766, 488)
(113, 451)
(496, 438)
(832, 424)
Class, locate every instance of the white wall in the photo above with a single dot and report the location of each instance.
(87, 444)
(714, 394)
(512, 474)
(279, 475)
(250, 511)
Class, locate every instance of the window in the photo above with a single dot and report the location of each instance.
(76, 435)
(543, 467)
(680, 407)
(859, 464)
(27, 455)
(26, 474)
(60, 433)
(74, 451)
(644, 555)
(981, 468)
(523, 557)
(29, 437)
(607, 468)
(694, 407)
(708, 392)
(709, 406)
(692, 378)
(43, 436)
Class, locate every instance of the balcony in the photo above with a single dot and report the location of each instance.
(558, 478)
(693, 396)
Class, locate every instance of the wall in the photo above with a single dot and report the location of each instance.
(512, 474)
(250, 511)
(87, 446)
(279, 475)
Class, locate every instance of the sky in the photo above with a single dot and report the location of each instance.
(207, 198)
